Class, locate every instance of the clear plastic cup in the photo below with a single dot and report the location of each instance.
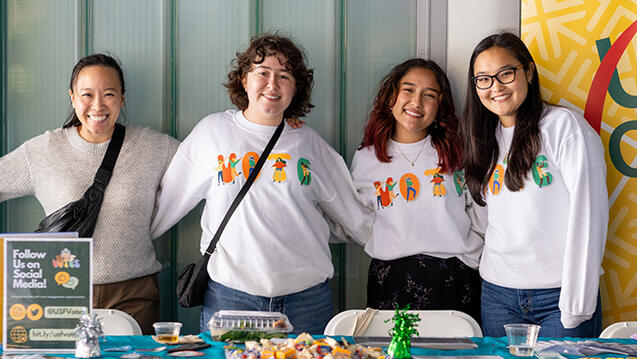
(522, 338)
(167, 332)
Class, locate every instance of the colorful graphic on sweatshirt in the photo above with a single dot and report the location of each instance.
(226, 172)
(497, 179)
(250, 160)
(385, 196)
(232, 166)
(280, 162)
(438, 188)
(409, 186)
(542, 178)
(379, 194)
(219, 169)
(389, 191)
(459, 182)
(303, 171)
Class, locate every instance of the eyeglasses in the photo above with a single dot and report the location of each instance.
(504, 76)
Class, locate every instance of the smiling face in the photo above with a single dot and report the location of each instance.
(504, 100)
(416, 105)
(97, 99)
(270, 87)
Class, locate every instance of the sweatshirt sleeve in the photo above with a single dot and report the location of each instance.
(182, 188)
(581, 161)
(361, 183)
(16, 177)
(343, 207)
(478, 216)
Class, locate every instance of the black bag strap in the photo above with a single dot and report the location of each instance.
(104, 173)
(245, 188)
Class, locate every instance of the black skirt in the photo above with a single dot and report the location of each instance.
(425, 283)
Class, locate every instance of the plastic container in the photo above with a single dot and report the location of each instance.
(167, 332)
(249, 321)
(522, 338)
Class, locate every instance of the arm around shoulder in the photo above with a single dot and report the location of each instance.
(182, 187)
(478, 215)
(351, 218)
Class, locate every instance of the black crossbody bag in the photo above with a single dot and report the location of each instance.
(81, 216)
(193, 279)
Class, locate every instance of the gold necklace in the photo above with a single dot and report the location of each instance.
(507, 144)
(405, 157)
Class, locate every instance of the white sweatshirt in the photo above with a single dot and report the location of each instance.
(551, 233)
(276, 242)
(435, 220)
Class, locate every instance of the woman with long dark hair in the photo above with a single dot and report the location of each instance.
(540, 170)
(424, 250)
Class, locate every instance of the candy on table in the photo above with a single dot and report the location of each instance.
(238, 353)
(338, 351)
(286, 353)
(303, 347)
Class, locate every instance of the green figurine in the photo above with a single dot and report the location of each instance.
(404, 328)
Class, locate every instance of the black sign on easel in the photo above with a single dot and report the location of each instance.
(47, 287)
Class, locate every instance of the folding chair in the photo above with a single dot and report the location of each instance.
(433, 323)
(116, 322)
(619, 330)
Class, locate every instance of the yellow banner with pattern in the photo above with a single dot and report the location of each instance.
(587, 60)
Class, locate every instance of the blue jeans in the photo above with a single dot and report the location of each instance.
(308, 310)
(502, 305)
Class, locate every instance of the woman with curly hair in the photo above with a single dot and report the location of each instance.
(424, 248)
(273, 255)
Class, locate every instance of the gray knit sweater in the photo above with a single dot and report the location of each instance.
(58, 166)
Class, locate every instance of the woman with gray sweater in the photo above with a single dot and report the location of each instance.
(58, 166)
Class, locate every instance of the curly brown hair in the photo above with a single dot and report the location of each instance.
(260, 47)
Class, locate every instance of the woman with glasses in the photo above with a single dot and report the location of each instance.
(540, 170)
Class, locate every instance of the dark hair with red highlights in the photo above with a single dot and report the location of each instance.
(444, 134)
(260, 47)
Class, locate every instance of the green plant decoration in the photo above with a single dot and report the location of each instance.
(404, 328)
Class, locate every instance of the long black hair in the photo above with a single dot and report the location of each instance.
(479, 125)
(92, 60)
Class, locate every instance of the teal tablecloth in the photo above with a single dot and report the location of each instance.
(486, 346)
